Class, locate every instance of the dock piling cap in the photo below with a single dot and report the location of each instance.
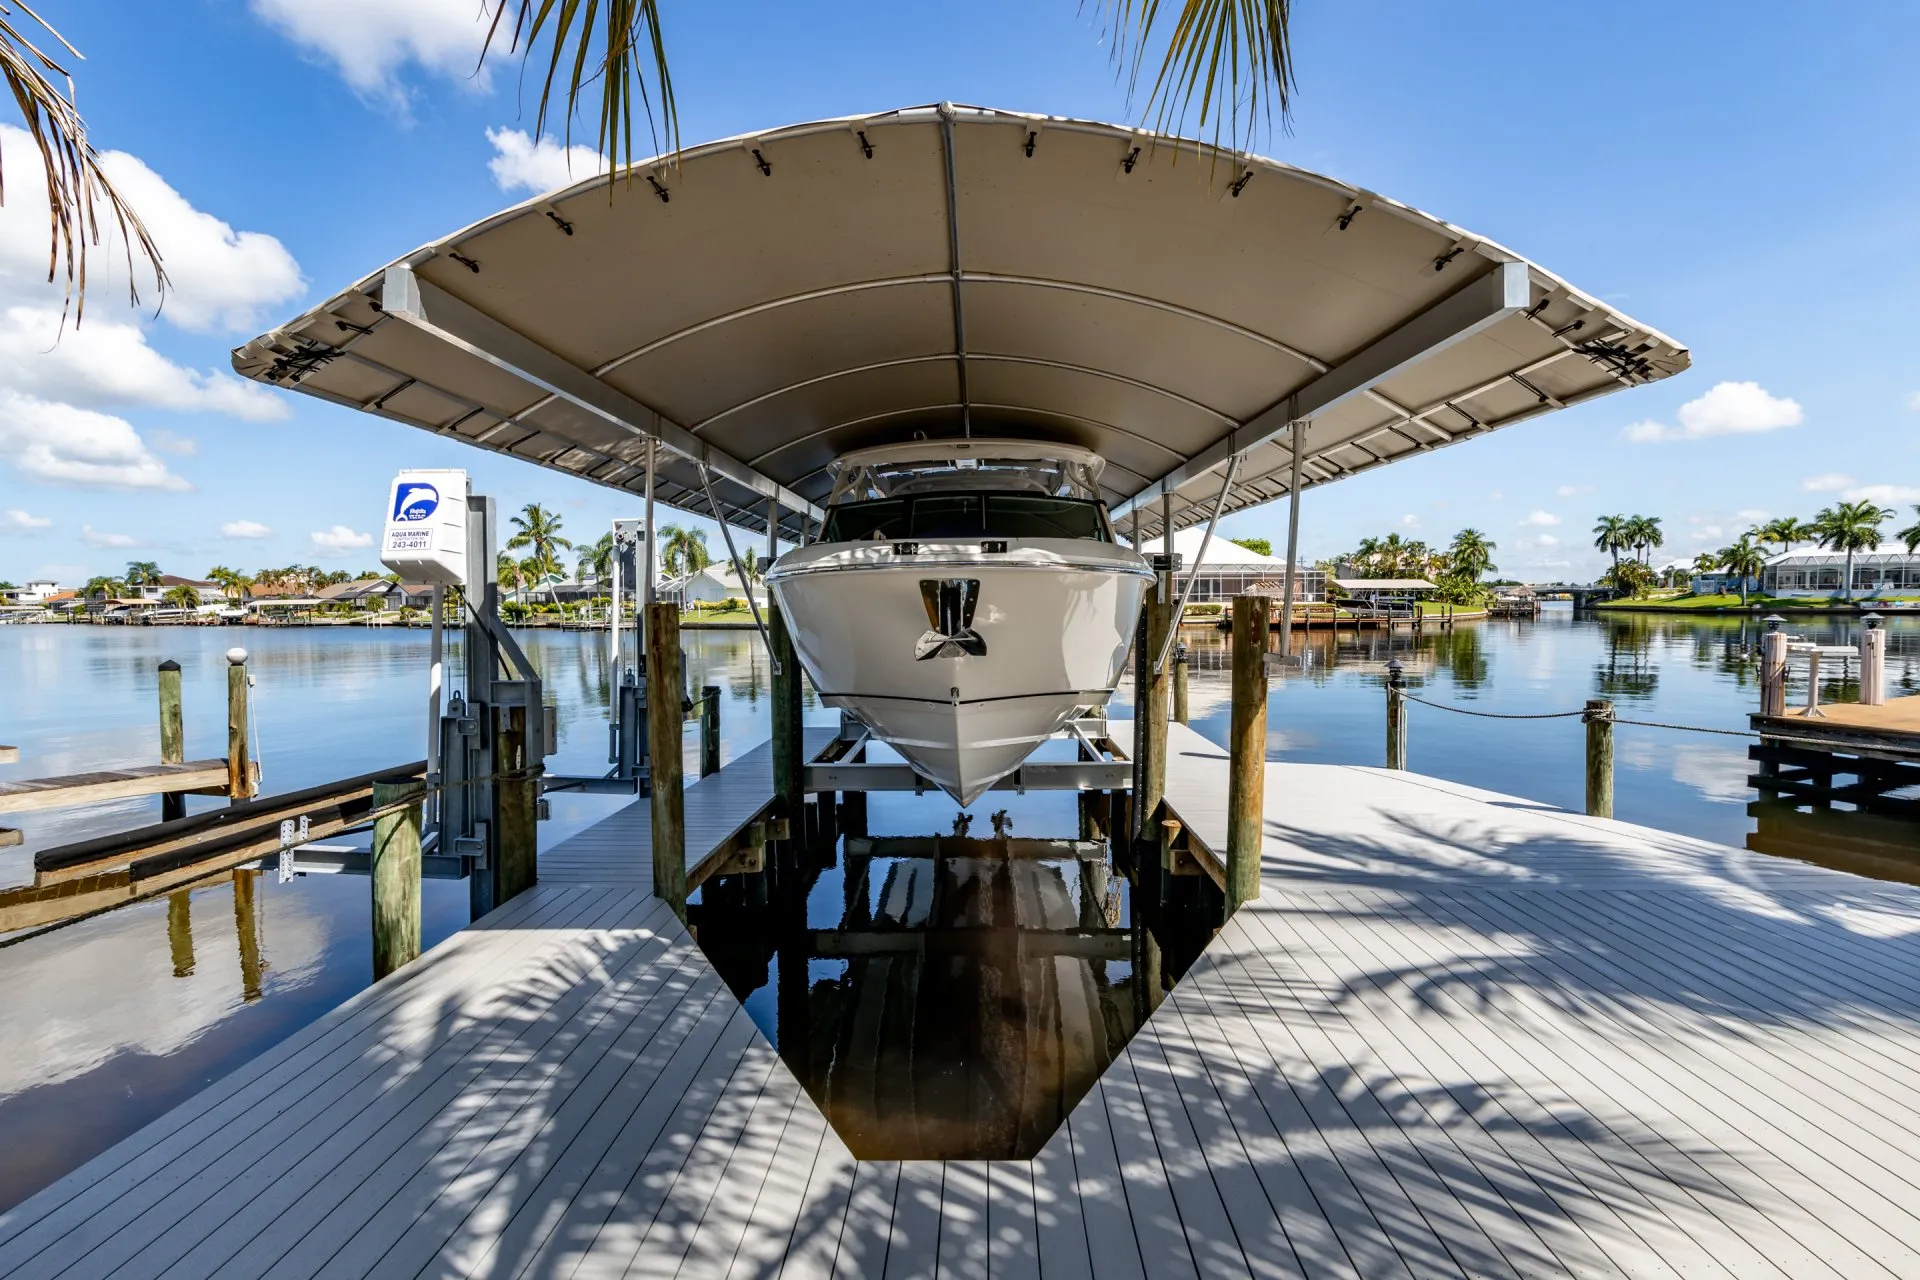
(236, 655)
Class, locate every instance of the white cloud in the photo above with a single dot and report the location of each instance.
(66, 445)
(1885, 495)
(1913, 401)
(521, 164)
(245, 529)
(1569, 490)
(339, 540)
(106, 363)
(171, 442)
(1547, 540)
(369, 42)
(1828, 482)
(220, 278)
(18, 519)
(1410, 520)
(1540, 519)
(1752, 515)
(95, 538)
(1729, 408)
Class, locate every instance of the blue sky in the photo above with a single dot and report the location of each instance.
(1741, 176)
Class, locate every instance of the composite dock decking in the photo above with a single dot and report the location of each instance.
(1458, 1034)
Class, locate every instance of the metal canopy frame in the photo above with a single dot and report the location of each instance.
(434, 311)
(620, 314)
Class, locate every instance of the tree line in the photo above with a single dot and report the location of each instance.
(1845, 527)
(1455, 570)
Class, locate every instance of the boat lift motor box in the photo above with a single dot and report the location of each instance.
(426, 533)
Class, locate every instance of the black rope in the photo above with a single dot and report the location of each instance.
(1494, 715)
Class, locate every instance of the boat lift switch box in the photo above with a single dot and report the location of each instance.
(426, 531)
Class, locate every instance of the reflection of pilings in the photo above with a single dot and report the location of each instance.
(180, 932)
(244, 925)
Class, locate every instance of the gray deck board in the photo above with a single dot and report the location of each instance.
(1458, 1033)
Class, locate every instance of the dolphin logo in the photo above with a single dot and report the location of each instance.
(415, 502)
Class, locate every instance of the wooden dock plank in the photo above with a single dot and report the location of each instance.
(1457, 1034)
(112, 784)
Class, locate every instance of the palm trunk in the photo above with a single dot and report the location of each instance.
(1849, 581)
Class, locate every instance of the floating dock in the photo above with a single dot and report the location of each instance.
(1459, 1034)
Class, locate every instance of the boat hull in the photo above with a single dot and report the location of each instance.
(962, 660)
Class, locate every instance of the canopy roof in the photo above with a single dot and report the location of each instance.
(774, 300)
(1384, 584)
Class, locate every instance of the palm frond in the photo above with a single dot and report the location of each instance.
(616, 42)
(76, 184)
(1234, 56)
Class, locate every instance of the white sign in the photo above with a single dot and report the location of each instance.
(425, 539)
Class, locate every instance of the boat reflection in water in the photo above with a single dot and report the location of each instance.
(946, 997)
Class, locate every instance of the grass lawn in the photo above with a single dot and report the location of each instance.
(1731, 600)
(715, 614)
(1430, 608)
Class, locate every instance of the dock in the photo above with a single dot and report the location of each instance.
(1458, 1034)
(1800, 757)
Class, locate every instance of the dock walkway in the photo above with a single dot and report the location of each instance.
(1459, 1034)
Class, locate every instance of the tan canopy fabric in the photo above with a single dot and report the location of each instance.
(774, 300)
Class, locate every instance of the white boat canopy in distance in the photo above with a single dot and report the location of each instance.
(775, 300)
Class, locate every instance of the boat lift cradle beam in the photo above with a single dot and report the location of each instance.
(434, 311)
(1501, 293)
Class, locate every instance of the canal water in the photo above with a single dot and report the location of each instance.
(113, 1020)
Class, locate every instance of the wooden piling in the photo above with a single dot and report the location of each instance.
(173, 737)
(1180, 683)
(516, 804)
(789, 750)
(251, 966)
(1152, 712)
(180, 932)
(1599, 718)
(709, 730)
(1247, 751)
(665, 763)
(1773, 674)
(1396, 716)
(395, 866)
(239, 763)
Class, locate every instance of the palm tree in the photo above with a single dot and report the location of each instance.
(1643, 535)
(539, 529)
(596, 559)
(1237, 58)
(1851, 527)
(506, 571)
(1911, 534)
(1784, 532)
(683, 550)
(182, 597)
(142, 573)
(1744, 559)
(233, 584)
(1471, 555)
(1611, 536)
(103, 587)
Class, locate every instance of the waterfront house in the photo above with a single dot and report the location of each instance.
(715, 584)
(1233, 570)
(1818, 572)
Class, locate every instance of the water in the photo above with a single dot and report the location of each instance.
(111, 1021)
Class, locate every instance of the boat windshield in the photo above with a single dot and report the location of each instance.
(943, 516)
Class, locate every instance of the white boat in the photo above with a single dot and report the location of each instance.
(965, 598)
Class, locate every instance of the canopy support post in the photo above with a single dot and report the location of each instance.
(647, 570)
(1298, 432)
(1206, 540)
(739, 571)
